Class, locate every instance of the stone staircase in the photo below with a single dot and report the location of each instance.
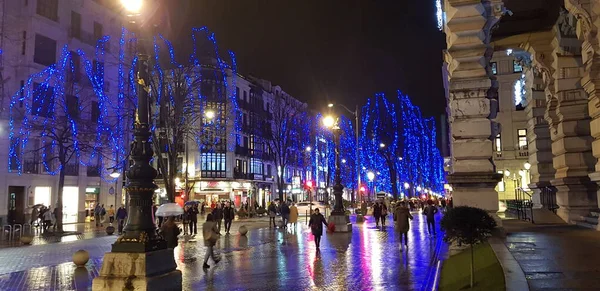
(590, 221)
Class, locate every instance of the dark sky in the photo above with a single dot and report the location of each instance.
(331, 50)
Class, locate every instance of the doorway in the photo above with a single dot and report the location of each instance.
(16, 204)
(70, 204)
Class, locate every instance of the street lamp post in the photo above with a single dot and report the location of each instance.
(140, 246)
(338, 216)
(357, 153)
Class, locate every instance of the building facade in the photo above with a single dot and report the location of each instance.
(34, 34)
(558, 46)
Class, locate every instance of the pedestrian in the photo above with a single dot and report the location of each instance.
(34, 217)
(185, 219)
(430, 212)
(218, 216)
(401, 217)
(202, 208)
(384, 213)
(316, 222)
(121, 216)
(102, 215)
(97, 211)
(193, 219)
(272, 214)
(54, 218)
(285, 213)
(47, 219)
(210, 232)
(377, 213)
(443, 203)
(111, 214)
(228, 215)
(170, 232)
(293, 215)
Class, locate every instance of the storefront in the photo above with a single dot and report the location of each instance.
(70, 204)
(91, 200)
(42, 195)
(212, 192)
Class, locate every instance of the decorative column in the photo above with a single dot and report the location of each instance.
(588, 21)
(570, 128)
(540, 87)
(472, 101)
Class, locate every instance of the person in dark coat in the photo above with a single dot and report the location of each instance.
(316, 222)
(170, 232)
(377, 213)
(430, 212)
(401, 217)
(218, 216)
(384, 213)
(210, 232)
(121, 216)
(285, 213)
(192, 215)
(272, 214)
(228, 216)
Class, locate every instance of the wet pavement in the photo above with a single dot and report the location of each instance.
(555, 257)
(266, 259)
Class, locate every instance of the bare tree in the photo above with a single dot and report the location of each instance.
(64, 114)
(288, 134)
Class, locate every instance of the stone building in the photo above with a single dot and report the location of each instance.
(557, 44)
(33, 34)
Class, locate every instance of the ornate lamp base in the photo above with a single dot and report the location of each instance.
(341, 222)
(139, 271)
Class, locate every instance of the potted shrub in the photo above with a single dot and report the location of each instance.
(469, 226)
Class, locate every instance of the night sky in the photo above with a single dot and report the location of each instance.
(324, 51)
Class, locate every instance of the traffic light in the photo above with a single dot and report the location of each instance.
(309, 184)
(363, 189)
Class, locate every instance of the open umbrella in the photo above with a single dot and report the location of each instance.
(191, 203)
(169, 209)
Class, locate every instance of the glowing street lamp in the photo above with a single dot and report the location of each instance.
(132, 6)
(381, 145)
(115, 174)
(209, 114)
(370, 176)
(527, 166)
(308, 149)
(419, 188)
(406, 185)
(328, 121)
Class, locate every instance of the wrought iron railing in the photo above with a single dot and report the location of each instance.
(522, 206)
(548, 199)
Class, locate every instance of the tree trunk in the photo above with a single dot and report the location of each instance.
(59, 202)
(170, 186)
(393, 178)
(472, 268)
(280, 186)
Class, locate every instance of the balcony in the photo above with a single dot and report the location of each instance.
(83, 36)
(31, 166)
(72, 169)
(240, 175)
(213, 174)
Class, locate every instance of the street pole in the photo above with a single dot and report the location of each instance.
(357, 153)
(338, 187)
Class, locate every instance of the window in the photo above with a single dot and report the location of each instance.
(42, 103)
(72, 106)
(48, 9)
(522, 135)
(97, 31)
(24, 43)
(74, 73)
(22, 94)
(498, 143)
(517, 67)
(213, 163)
(99, 71)
(494, 68)
(269, 170)
(245, 96)
(256, 167)
(95, 114)
(75, 30)
(245, 141)
(501, 185)
(237, 92)
(238, 140)
(238, 165)
(45, 50)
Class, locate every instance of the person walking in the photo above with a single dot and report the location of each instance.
(111, 214)
(293, 216)
(228, 216)
(34, 217)
(47, 218)
(97, 211)
(316, 222)
(401, 217)
(272, 214)
(384, 213)
(102, 214)
(202, 210)
(170, 232)
(210, 232)
(121, 216)
(430, 212)
(218, 216)
(193, 219)
(377, 213)
(285, 213)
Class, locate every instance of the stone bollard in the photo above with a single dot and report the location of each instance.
(243, 230)
(27, 239)
(110, 229)
(80, 258)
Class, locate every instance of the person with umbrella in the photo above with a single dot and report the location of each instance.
(169, 230)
